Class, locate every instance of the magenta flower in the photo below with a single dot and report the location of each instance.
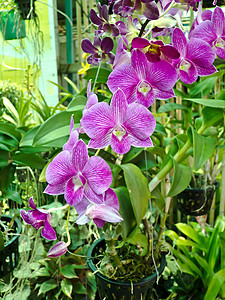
(39, 218)
(143, 81)
(155, 50)
(213, 32)
(196, 57)
(119, 125)
(77, 176)
(57, 250)
(107, 211)
(99, 50)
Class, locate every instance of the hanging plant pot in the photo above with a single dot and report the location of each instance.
(114, 289)
(196, 201)
(26, 8)
(12, 26)
(9, 255)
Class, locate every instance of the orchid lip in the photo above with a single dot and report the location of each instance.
(144, 88)
(119, 132)
(185, 65)
(77, 183)
(220, 43)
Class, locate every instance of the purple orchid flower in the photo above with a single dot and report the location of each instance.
(39, 218)
(103, 20)
(57, 250)
(77, 176)
(196, 57)
(119, 125)
(107, 211)
(99, 50)
(155, 50)
(143, 81)
(213, 32)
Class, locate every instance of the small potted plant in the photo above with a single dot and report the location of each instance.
(110, 168)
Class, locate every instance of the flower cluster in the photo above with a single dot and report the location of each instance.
(144, 68)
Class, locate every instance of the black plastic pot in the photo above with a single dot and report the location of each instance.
(117, 290)
(9, 256)
(196, 201)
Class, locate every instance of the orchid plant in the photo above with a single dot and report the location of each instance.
(112, 161)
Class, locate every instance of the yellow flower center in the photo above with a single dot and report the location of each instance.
(144, 88)
(119, 132)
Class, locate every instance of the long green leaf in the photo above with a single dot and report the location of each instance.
(215, 285)
(10, 130)
(129, 221)
(203, 148)
(137, 186)
(32, 160)
(67, 287)
(181, 178)
(56, 128)
(208, 102)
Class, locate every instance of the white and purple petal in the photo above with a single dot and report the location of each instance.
(47, 231)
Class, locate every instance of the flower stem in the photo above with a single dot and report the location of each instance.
(67, 228)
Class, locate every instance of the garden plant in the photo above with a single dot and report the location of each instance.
(120, 155)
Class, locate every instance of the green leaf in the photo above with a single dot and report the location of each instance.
(102, 75)
(79, 288)
(181, 178)
(4, 157)
(14, 196)
(78, 103)
(171, 106)
(215, 285)
(56, 129)
(68, 271)
(208, 102)
(211, 116)
(47, 286)
(1, 241)
(141, 239)
(129, 221)
(194, 235)
(11, 108)
(137, 185)
(203, 147)
(32, 160)
(10, 130)
(204, 86)
(42, 272)
(134, 152)
(67, 287)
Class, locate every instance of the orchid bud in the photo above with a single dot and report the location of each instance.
(57, 250)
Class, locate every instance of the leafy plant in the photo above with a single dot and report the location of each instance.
(201, 256)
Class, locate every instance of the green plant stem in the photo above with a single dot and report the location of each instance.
(177, 157)
(111, 251)
(67, 227)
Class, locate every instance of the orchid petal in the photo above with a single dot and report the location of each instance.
(136, 142)
(220, 52)
(170, 51)
(101, 142)
(139, 43)
(101, 116)
(87, 47)
(162, 95)
(111, 199)
(31, 203)
(139, 121)
(91, 196)
(218, 21)
(179, 41)
(47, 231)
(119, 105)
(98, 174)
(80, 155)
(205, 31)
(124, 77)
(107, 44)
(139, 63)
(200, 52)
(60, 169)
(95, 18)
(57, 189)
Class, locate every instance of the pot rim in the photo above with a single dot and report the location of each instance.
(142, 281)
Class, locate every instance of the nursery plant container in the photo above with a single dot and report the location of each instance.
(196, 201)
(9, 256)
(12, 26)
(115, 289)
